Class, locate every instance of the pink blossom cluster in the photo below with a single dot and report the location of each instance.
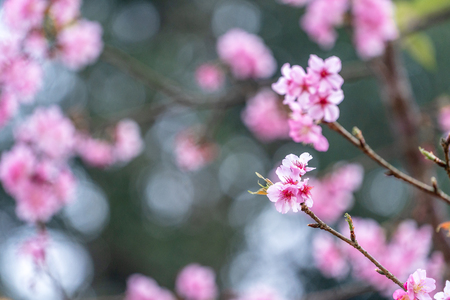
(333, 194)
(246, 55)
(372, 21)
(54, 29)
(312, 96)
(265, 118)
(41, 29)
(36, 170)
(192, 150)
(291, 191)
(124, 144)
(400, 256)
(209, 77)
(418, 286)
(194, 282)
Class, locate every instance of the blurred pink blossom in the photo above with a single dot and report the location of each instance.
(374, 25)
(246, 54)
(21, 15)
(320, 19)
(209, 77)
(80, 44)
(328, 257)
(324, 73)
(95, 152)
(333, 194)
(265, 118)
(49, 132)
(128, 142)
(140, 287)
(191, 154)
(64, 12)
(195, 282)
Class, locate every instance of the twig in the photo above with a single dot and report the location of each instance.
(359, 142)
(354, 244)
(427, 21)
(340, 293)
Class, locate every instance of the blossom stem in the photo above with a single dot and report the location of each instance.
(359, 142)
(445, 143)
(322, 225)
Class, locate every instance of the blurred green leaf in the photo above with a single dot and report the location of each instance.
(424, 7)
(421, 49)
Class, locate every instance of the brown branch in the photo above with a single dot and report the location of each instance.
(445, 143)
(322, 225)
(359, 142)
(340, 293)
(429, 20)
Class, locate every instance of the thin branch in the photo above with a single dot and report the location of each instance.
(425, 22)
(322, 225)
(359, 142)
(340, 293)
(445, 143)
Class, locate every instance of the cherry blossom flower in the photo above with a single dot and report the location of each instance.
(374, 25)
(324, 105)
(265, 118)
(298, 163)
(80, 44)
(296, 85)
(65, 11)
(445, 295)
(195, 282)
(325, 73)
(285, 197)
(209, 77)
(49, 132)
(302, 129)
(246, 54)
(8, 107)
(140, 287)
(401, 295)
(418, 285)
(128, 142)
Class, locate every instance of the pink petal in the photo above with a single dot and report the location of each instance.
(333, 64)
(280, 87)
(331, 113)
(335, 80)
(336, 97)
(286, 70)
(315, 63)
(316, 112)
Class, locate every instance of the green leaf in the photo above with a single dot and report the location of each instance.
(424, 7)
(420, 47)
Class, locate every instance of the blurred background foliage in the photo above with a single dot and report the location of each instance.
(156, 218)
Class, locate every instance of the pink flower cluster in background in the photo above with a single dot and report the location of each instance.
(333, 194)
(400, 256)
(36, 170)
(291, 191)
(312, 96)
(209, 77)
(192, 151)
(265, 117)
(372, 20)
(444, 118)
(39, 30)
(246, 55)
(53, 29)
(194, 282)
